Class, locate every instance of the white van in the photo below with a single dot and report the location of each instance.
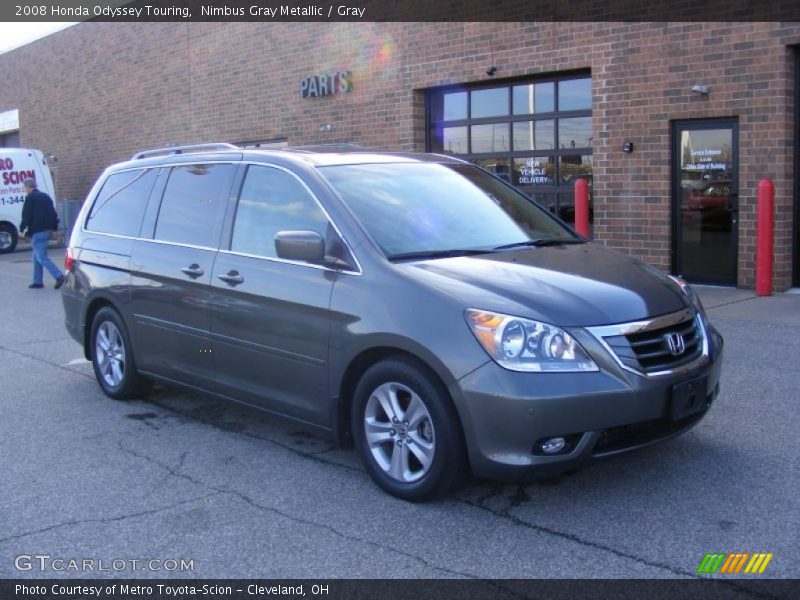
(17, 165)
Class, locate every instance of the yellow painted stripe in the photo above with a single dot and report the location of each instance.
(758, 558)
(765, 563)
(754, 562)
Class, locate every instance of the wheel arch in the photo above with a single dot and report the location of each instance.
(92, 309)
(365, 359)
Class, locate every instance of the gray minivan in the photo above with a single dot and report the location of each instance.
(413, 305)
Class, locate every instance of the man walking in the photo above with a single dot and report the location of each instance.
(39, 221)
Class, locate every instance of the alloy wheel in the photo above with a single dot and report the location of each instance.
(110, 353)
(399, 432)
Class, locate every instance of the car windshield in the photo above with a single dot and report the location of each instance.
(418, 210)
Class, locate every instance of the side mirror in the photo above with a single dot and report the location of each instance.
(307, 246)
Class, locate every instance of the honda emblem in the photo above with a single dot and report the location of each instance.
(675, 343)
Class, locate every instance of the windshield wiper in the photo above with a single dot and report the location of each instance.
(425, 254)
(430, 254)
(541, 242)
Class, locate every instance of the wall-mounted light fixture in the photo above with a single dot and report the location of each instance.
(326, 128)
(700, 89)
(492, 69)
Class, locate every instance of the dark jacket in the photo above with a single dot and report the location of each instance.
(38, 213)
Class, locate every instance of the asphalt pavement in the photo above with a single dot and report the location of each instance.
(239, 494)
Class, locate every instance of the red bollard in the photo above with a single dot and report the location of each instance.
(764, 247)
(582, 206)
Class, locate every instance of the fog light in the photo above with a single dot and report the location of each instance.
(553, 445)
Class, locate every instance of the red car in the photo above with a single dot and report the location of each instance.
(713, 195)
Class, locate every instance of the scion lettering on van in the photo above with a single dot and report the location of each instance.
(17, 177)
(12, 177)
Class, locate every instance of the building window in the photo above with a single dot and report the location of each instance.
(535, 134)
(9, 139)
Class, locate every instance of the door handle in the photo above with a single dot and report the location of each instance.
(232, 278)
(194, 271)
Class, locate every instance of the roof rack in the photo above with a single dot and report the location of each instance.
(182, 150)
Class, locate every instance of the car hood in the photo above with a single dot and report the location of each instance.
(571, 285)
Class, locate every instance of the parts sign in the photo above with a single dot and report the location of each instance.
(339, 82)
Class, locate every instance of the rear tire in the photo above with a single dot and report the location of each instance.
(407, 432)
(112, 357)
(8, 238)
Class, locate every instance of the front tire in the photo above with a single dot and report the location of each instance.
(112, 357)
(407, 431)
(8, 238)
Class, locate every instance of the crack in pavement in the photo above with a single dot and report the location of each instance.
(498, 514)
(352, 538)
(319, 459)
(165, 466)
(271, 509)
(39, 342)
(314, 524)
(315, 456)
(516, 501)
(739, 301)
(101, 521)
(505, 513)
(519, 498)
(47, 362)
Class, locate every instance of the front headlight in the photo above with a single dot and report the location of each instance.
(525, 345)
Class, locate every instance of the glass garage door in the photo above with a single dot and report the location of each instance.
(535, 134)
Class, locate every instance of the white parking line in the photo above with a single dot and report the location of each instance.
(77, 361)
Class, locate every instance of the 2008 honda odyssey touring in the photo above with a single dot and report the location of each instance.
(412, 303)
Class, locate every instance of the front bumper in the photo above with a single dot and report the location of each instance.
(505, 414)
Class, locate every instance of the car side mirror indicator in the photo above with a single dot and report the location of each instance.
(302, 245)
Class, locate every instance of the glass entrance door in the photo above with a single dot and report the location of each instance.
(705, 200)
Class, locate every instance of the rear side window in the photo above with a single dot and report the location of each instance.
(272, 201)
(193, 204)
(120, 205)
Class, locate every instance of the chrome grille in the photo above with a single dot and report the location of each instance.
(649, 352)
(644, 347)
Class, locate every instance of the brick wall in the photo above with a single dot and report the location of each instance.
(95, 93)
